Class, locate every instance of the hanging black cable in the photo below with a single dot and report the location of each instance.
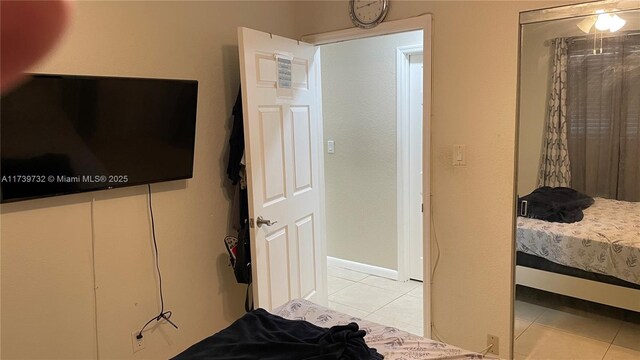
(163, 314)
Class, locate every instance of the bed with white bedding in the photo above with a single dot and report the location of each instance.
(392, 343)
(606, 241)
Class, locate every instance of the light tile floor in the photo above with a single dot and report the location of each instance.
(545, 328)
(385, 301)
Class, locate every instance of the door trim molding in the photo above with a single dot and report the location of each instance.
(424, 23)
(421, 22)
(403, 157)
(321, 187)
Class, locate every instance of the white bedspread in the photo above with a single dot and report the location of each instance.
(392, 343)
(606, 241)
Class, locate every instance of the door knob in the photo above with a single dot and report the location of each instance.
(260, 221)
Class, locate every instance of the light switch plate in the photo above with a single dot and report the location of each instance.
(331, 147)
(459, 155)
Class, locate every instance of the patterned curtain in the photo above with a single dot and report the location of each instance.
(555, 168)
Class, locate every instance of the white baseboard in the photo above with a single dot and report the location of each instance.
(363, 268)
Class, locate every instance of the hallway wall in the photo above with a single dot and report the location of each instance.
(359, 110)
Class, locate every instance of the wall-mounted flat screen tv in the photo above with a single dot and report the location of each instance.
(63, 134)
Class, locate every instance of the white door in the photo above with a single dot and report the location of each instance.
(282, 138)
(415, 166)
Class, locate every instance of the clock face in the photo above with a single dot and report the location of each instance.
(368, 13)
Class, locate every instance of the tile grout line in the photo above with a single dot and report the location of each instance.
(373, 312)
(343, 278)
(523, 331)
(617, 333)
(363, 309)
(576, 334)
(404, 322)
(572, 333)
(349, 306)
(608, 343)
(540, 315)
(382, 305)
(405, 293)
(605, 353)
(568, 333)
(342, 288)
(398, 293)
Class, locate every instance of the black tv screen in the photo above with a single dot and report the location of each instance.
(65, 134)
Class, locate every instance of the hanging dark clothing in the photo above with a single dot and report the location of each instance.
(240, 208)
(236, 142)
(235, 166)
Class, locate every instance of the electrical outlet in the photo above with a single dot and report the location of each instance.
(495, 341)
(137, 344)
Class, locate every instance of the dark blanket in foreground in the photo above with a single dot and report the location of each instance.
(261, 335)
(561, 204)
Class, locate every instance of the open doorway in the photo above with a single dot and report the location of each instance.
(284, 150)
(372, 128)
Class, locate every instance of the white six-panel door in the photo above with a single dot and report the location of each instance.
(282, 146)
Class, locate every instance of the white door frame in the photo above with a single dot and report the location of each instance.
(422, 22)
(404, 150)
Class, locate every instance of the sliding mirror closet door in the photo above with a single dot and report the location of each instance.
(577, 235)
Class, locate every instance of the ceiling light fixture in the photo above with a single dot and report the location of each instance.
(586, 24)
(602, 21)
(616, 23)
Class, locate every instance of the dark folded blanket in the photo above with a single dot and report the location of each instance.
(559, 204)
(261, 335)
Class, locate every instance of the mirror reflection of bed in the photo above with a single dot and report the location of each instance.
(578, 224)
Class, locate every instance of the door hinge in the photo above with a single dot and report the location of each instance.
(421, 207)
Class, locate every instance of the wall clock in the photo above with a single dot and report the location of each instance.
(368, 13)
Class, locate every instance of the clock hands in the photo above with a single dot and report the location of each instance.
(365, 5)
(367, 14)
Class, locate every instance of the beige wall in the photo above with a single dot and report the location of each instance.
(47, 295)
(534, 84)
(359, 114)
(475, 50)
